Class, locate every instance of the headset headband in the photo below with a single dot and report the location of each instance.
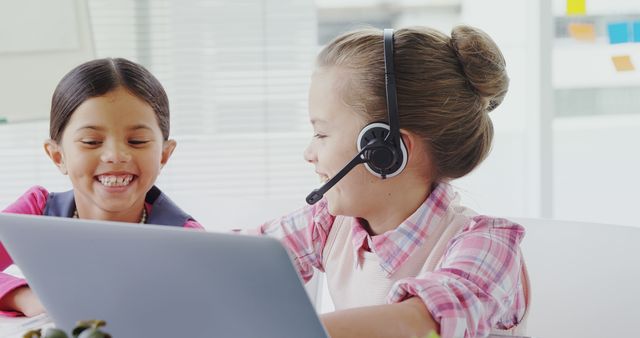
(390, 88)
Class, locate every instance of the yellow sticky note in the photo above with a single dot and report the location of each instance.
(623, 63)
(582, 31)
(576, 7)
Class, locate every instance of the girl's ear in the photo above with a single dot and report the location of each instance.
(419, 154)
(54, 151)
(167, 149)
(409, 139)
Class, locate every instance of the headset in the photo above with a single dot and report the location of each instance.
(380, 147)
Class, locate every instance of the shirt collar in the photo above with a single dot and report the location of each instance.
(394, 247)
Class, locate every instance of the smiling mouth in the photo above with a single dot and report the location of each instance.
(115, 180)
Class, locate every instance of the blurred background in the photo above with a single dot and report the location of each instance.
(237, 74)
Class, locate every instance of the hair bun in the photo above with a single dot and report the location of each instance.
(482, 63)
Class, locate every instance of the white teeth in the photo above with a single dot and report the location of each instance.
(115, 181)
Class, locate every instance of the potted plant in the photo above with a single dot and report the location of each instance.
(91, 329)
(83, 329)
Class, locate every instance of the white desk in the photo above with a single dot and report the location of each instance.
(16, 327)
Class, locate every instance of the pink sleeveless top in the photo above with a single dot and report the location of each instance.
(360, 281)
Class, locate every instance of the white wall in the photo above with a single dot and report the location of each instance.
(596, 168)
(591, 161)
(511, 180)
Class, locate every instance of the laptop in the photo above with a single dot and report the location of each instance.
(160, 281)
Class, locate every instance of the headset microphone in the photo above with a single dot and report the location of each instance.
(379, 144)
(317, 194)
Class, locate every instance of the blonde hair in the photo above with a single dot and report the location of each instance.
(446, 86)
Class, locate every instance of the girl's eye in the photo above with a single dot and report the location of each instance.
(319, 136)
(137, 142)
(90, 142)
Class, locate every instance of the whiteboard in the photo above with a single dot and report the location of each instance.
(40, 41)
(36, 25)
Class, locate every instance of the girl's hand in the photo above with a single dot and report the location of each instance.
(22, 300)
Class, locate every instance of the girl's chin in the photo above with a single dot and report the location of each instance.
(337, 206)
(333, 206)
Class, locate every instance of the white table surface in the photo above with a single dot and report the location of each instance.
(15, 327)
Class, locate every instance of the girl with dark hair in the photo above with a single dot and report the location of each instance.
(109, 132)
(401, 256)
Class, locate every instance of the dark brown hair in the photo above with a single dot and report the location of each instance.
(445, 87)
(99, 77)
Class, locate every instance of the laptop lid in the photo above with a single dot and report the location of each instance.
(154, 281)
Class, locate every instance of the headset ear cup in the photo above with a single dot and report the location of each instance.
(372, 136)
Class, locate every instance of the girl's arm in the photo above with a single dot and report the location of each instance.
(20, 300)
(304, 234)
(9, 286)
(193, 224)
(409, 318)
(477, 285)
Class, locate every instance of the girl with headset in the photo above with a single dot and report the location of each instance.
(402, 257)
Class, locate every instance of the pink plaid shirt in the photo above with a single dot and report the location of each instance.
(476, 286)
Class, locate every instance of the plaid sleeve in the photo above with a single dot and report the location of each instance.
(304, 233)
(477, 282)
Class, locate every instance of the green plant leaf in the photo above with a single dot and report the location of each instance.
(93, 333)
(83, 329)
(80, 326)
(32, 334)
(83, 325)
(54, 333)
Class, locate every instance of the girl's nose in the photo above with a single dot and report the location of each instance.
(309, 154)
(115, 154)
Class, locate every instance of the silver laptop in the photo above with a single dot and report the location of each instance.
(160, 281)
